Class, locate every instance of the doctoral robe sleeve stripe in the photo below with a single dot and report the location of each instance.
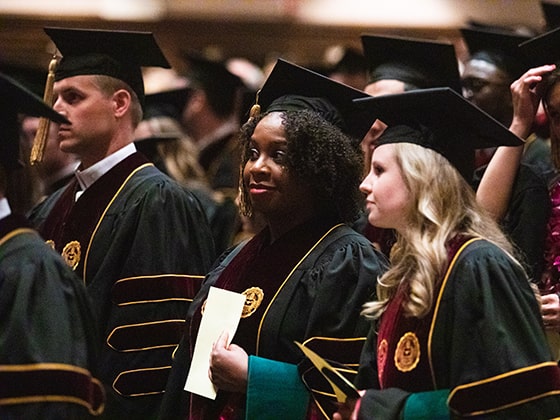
(146, 336)
(53, 382)
(157, 288)
(139, 382)
(506, 390)
(343, 354)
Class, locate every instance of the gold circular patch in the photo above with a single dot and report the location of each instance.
(407, 354)
(253, 299)
(382, 350)
(71, 253)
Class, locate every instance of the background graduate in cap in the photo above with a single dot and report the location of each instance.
(139, 241)
(398, 64)
(211, 119)
(47, 334)
(162, 139)
(306, 274)
(459, 330)
(495, 62)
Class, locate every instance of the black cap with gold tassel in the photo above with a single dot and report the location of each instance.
(40, 140)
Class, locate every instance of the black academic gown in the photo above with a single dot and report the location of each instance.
(47, 341)
(314, 281)
(481, 350)
(528, 212)
(144, 247)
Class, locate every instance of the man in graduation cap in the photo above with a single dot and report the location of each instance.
(47, 335)
(458, 329)
(211, 119)
(139, 241)
(162, 139)
(305, 275)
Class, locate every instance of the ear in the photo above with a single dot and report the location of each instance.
(121, 102)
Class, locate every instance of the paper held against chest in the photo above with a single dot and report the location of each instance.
(222, 312)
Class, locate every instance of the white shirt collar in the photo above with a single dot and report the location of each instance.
(88, 176)
(5, 209)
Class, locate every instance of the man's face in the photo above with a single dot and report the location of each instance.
(487, 86)
(91, 115)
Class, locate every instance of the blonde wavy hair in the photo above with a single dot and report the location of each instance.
(442, 205)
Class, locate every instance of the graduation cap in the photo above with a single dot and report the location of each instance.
(16, 99)
(418, 62)
(119, 54)
(168, 103)
(290, 87)
(442, 120)
(205, 73)
(32, 78)
(499, 47)
(551, 12)
(542, 49)
(212, 76)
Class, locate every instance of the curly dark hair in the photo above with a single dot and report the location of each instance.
(321, 155)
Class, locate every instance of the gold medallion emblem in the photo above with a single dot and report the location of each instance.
(407, 354)
(253, 299)
(382, 350)
(71, 253)
(50, 243)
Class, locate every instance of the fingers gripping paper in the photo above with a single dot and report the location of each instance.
(222, 312)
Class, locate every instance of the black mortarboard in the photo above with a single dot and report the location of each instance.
(32, 78)
(442, 120)
(207, 74)
(419, 62)
(169, 103)
(212, 76)
(498, 47)
(542, 49)
(551, 12)
(291, 87)
(119, 54)
(16, 99)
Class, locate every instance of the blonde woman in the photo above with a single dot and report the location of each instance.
(459, 331)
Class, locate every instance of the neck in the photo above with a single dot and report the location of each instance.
(281, 224)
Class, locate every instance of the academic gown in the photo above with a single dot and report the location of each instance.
(481, 352)
(142, 245)
(313, 282)
(528, 213)
(47, 342)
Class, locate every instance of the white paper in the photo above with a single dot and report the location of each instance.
(222, 312)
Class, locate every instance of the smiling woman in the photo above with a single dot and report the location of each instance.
(312, 271)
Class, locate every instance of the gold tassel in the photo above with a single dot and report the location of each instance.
(256, 108)
(40, 140)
